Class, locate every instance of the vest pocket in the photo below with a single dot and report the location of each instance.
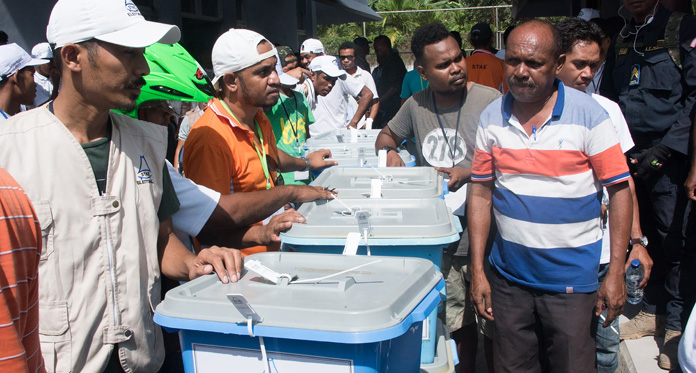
(45, 215)
(53, 318)
(54, 332)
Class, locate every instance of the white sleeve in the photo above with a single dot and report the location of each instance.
(197, 203)
(184, 128)
(618, 120)
(370, 84)
(351, 86)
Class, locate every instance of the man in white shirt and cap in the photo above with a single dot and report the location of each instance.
(45, 75)
(17, 85)
(330, 111)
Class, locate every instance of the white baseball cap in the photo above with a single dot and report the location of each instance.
(113, 21)
(312, 46)
(235, 50)
(13, 58)
(328, 65)
(42, 50)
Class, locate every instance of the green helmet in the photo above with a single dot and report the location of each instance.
(174, 75)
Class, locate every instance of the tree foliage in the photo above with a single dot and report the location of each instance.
(400, 26)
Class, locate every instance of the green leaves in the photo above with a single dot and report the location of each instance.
(399, 27)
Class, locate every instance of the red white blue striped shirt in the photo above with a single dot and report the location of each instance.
(548, 188)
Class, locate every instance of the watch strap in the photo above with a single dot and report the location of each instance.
(388, 148)
(643, 241)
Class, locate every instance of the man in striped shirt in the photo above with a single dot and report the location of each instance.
(20, 248)
(542, 154)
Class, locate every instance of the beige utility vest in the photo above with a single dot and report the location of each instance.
(99, 277)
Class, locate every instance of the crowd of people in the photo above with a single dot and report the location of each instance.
(567, 155)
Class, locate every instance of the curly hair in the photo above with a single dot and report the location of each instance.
(427, 35)
(348, 45)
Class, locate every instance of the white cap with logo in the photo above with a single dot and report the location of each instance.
(13, 58)
(235, 50)
(328, 65)
(113, 21)
(312, 46)
(42, 50)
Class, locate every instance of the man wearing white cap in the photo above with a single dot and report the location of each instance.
(310, 49)
(232, 148)
(43, 76)
(17, 85)
(324, 74)
(100, 189)
(331, 109)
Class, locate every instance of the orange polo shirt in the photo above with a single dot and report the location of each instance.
(20, 250)
(484, 68)
(220, 154)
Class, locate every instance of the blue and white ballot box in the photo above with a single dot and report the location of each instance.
(300, 312)
(445, 353)
(395, 182)
(420, 228)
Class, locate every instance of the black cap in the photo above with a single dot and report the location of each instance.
(481, 32)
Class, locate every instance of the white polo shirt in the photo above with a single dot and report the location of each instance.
(330, 111)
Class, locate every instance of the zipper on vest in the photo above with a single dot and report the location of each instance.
(110, 253)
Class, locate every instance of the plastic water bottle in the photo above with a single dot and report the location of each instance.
(634, 275)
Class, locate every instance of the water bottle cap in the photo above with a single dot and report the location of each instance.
(635, 263)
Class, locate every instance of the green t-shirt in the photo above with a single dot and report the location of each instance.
(98, 154)
(290, 117)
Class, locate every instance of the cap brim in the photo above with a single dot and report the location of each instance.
(335, 74)
(143, 34)
(37, 62)
(286, 79)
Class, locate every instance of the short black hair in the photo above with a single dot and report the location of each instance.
(427, 35)
(361, 41)
(383, 39)
(573, 30)
(348, 45)
(457, 36)
(3, 37)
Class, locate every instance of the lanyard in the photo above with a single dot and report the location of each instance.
(293, 127)
(262, 156)
(4, 114)
(452, 147)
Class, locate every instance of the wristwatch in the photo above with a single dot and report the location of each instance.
(643, 241)
(307, 167)
(388, 148)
